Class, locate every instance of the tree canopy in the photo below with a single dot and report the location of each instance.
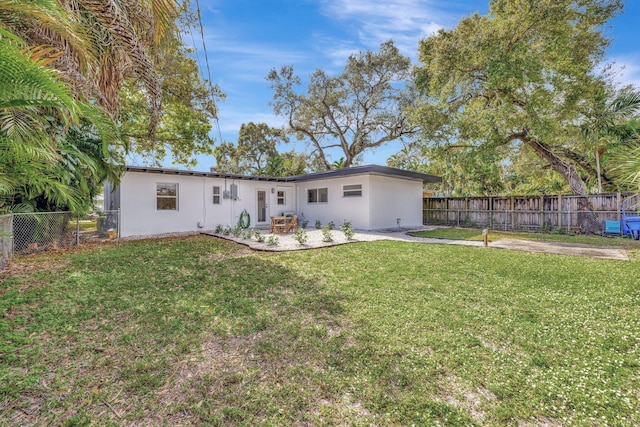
(44, 162)
(69, 71)
(522, 77)
(256, 153)
(361, 109)
(256, 145)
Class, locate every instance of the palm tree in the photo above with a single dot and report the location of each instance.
(607, 125)
(34, 107)
(96, 44)
(627, 159)
(57, 59)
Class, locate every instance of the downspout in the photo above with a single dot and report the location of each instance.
(230, 202)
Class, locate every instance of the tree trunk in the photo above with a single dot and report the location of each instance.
(598, 171)
(587, 219)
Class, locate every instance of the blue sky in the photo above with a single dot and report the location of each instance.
(247, 38)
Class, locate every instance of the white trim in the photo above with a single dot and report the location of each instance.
(158, 196)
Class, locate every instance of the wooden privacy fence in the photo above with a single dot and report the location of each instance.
(535, 213)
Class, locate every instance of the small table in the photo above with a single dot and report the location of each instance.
(279, 224)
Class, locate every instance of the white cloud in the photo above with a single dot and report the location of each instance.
(231, 119)
(245, 61)
(404, 21)
(626, 70)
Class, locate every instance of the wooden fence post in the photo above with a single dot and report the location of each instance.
(511, 207)
(541, 212)
(446, 206)
(559, 211)
(490, 211)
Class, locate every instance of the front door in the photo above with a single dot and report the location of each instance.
(262, 206)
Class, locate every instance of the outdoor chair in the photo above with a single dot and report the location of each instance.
(292, 224)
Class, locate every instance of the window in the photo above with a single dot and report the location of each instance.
(167, 197)
(281, 196)
(354, 190)
(318, 195)
(216, 195)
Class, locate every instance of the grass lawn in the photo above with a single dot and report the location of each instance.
(494, 235)
(193, 331)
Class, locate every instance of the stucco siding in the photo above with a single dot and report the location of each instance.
(338, 208)
(140, 216)
(393, 199)
(375, 201)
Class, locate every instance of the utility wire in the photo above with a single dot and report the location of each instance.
(206, 60)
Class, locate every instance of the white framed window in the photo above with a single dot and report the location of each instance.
(353, 190)
(216, 195)
(317, 195)
(281, 197)
(166, 196)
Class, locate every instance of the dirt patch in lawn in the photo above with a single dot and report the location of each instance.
(473, 401)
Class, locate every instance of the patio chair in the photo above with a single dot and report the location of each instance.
(292, 224)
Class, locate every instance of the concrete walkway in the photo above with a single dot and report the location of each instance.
(286, 242)
(603, 252)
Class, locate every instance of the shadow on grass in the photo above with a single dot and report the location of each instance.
(164, 333)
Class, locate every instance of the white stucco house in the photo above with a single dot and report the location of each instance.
(159, 200)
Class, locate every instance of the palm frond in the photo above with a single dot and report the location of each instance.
(112, 17)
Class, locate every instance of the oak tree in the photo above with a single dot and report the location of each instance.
(251, 155)
(521, 75)
(361, 109)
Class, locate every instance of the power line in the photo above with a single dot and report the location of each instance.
(206, 60)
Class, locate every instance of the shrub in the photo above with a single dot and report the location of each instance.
(347, 229)
(301, 236)
(318, 224)
(218, 229)
(304, 223)
(326, 234)
(273, 241)
(226, 231)
(236, 231)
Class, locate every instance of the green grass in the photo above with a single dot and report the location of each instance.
(494, 235)
(198, 331)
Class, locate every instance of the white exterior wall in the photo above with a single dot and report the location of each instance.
(384, 199)
(139, 214)
(290, 199)
(338, 208)
(393, 198)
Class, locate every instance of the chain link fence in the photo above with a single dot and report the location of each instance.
(33, 232)
(26, 233)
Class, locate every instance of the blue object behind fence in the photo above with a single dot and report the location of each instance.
(632, 226)
(611, 227)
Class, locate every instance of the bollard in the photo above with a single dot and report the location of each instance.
(485, 236)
